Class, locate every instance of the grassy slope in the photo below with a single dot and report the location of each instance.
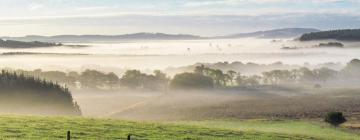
(29, 127)
(312, 129)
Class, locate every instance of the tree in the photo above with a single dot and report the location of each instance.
(230, 76)
(335, 118)
(241, 80)
(253, 80)
(93, 79)
(112, 80)
(161, 80)
(352, 69)
(247, 80)
(132, 79)
(200, 69)
(323, 74)
(278, 77)
(219, 77)
(191, 81)
(306, 75)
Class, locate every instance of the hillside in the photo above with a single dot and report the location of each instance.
(344, 35)
(34, 128)
(21, 44)
(276, 33)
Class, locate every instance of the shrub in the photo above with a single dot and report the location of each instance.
(335, 118)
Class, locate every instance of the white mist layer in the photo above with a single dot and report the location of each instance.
(162, 54)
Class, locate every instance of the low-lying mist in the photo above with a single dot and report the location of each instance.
(151, 54)
(281, 102)
(219, 79)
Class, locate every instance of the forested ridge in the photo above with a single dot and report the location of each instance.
(345, 34)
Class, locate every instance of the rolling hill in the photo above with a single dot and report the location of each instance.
(276, 33)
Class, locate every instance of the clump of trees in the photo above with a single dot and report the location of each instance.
(93, 79)
(351, 70)
(229, 78)
(335, 118)
(331, 44)
(302, 75)
(191, 81)
(29, 95)
(346, 34)
(134, 79)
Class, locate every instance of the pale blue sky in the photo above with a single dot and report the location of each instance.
(202, 17)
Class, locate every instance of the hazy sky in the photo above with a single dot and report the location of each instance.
(201, 17)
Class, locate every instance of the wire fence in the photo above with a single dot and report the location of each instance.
(69, 135)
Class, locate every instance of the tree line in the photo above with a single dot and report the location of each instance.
(201, 77)
(204, 77)
(93, 79)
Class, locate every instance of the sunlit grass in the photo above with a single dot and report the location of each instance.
(311, 129)
(35, 128)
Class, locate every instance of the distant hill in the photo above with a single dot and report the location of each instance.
(276, 33)
(21, 44)
(344, 35)
(105, 38)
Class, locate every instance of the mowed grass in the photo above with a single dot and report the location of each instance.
(305, 128)
(37, 128)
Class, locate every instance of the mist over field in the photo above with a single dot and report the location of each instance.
(248, 56)
(182, 69)
(150, 54)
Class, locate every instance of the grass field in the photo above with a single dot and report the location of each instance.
(35, 128)
(311, 129)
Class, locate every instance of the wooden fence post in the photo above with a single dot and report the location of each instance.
(68, 135)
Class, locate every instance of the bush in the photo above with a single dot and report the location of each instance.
(335, 118)
(191, 81)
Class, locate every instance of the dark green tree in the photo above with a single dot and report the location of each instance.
(335, 118)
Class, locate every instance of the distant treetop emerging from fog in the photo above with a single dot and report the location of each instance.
(345, 35)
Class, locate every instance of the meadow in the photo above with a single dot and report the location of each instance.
(314, 129)
(36, 127)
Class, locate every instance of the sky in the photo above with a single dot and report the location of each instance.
(199, 17)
